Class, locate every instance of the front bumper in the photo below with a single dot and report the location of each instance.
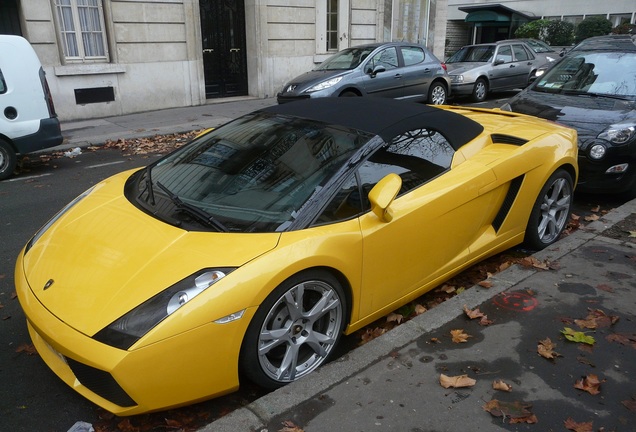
(593, 174)
(195, 365)
(462, 89)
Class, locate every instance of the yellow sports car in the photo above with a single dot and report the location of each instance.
(249, 251)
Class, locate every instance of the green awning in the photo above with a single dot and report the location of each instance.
(487, 16)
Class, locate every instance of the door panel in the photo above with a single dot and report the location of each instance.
(418, 71)
(388, 83)
(430, 235)
(224, 56)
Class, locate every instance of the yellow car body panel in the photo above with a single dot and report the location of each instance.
(436, 230)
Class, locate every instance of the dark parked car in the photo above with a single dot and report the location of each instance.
(593, 90)
(476, 70)
(395, 70)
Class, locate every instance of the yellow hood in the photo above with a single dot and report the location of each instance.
(104, 257)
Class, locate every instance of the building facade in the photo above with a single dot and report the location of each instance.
(111, 57)
(477, 21)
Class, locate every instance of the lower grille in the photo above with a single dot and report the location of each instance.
(101, 383)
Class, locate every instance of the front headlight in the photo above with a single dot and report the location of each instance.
(618, 133)
(325, 84)
(457, 79)
(125, 331)
(58, 215)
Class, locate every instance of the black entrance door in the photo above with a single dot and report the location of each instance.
(9, 18)
(224, 56)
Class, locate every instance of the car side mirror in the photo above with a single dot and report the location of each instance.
(383, 194)
(498, 62)
(376, 70)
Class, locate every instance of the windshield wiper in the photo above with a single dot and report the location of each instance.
(194, 211)
(150, 192)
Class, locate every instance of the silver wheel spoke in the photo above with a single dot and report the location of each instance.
(287, 367)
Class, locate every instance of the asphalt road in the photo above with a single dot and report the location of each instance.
(32, 398)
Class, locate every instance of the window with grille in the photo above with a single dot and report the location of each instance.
(332, 25)
(81, 27)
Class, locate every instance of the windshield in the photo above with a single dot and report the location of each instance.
(347, 59)
(594, 73)
(477, 53)
(252, 175)
(538, 46)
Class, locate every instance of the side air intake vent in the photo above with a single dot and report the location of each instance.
(507, 139)
(513, 190)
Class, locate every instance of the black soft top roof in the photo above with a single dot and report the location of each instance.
(382, 116)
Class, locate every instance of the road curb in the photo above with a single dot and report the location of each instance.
(259, 413)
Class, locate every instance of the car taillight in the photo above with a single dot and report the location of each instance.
(47, 94)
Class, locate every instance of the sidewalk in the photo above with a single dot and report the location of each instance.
(392, 382)
(84, 133)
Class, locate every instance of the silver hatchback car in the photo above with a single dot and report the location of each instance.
(476, 70)
(395, 70)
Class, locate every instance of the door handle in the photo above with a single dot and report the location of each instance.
(235, 49)
(397, 76)
(512, 66)
(208, 50)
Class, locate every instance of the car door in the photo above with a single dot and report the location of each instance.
(503, 68)
(388, 82)
(435, 216)
(523, 61)
(418, 72)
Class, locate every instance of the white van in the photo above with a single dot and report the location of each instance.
(27, 116)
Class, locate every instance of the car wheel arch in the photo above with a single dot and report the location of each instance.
(350, 91)
(247, 362)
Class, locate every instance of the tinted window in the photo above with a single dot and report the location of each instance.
(504, 54)
(254, 174)
(387, 58)
(478, 53)
(609, 73)
(412, 55)
(417, 157)
(520, 53)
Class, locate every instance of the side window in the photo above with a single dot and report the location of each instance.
(520, 53)
(81, 27)
(504, 54)
(387, 58)
(412, 55)
(417, 156)
(3, 84)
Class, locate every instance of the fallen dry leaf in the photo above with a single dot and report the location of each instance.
(501, 385)
(289, 426)
(419, 309)
(596, 318)
(459, 336)
(485, 284)
(394, 317)
(516, 412)
(630, 404)
(623, 339)
(545, 348)
(474, 313)
(590, 384)
(28, 349)
(570, 424)
(458, 381)
(592, 218)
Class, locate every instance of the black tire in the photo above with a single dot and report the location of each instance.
(480, 90)
(437, 94)
(287, 339)
(551, 211)
(349, 93)
(8, 159)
